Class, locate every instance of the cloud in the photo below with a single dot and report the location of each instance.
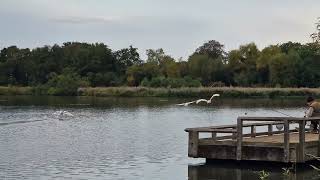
(83, 20)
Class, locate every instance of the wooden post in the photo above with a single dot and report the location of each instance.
(239, 138)
(214, 136)
(286, 141)
(319, 140)
(193, 144)
(300, 153)
(192, 173)
(234, 135)
(239, 174)
(270, 130)
(253, 131)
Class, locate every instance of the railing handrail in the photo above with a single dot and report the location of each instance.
(233, 126)
(209, 130)
(270, 121)
(245, 118)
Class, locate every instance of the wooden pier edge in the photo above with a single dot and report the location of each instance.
(289, 145)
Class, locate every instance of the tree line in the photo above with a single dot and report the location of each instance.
(63, 69)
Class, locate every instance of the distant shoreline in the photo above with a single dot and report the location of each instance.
(228, 92)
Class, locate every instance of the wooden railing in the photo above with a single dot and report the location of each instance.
(286, 121)
(238, 135)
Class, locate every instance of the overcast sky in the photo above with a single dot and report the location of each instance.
(177, 26)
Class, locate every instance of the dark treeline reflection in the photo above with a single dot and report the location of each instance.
(144, 101)
(62, 69)
(230, 170)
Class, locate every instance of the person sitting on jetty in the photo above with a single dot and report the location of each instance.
(313, 111)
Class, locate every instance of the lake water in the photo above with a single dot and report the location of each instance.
(121, 138)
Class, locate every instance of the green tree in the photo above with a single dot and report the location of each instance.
(66, 83)
(263, 63)
(212, 48)
(207, 69)
(127, 57)
(285, 68)
(169, 68)
(242, 64)
(155, 56)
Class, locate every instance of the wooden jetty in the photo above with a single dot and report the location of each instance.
(293, 144)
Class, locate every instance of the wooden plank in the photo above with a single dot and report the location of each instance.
(239, 139)
(208, 130)
(286, 141)
(301, 146)
(268, 141)
(262, 144)
(257, 134)
(270, 129)
(193, 144)
(209, 142)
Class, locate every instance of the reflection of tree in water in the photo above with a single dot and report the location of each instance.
(231, 170)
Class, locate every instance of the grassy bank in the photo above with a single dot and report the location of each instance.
(231, 92)
(16, 90)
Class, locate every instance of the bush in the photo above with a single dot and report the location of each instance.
(170, 82)
(145, 82)
(66, 83)
(176, 82)
(14, 90)
(159, 82)
(103, 79)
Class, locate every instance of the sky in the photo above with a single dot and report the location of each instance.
(177, 26)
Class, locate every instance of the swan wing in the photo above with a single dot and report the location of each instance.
(201, 100)
(214, 95)
(191, 102)
(186, 104)
(182, 104)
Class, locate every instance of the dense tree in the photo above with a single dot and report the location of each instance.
(242, 64)
(127, 57)
(263, 63)
(286, 47)
(71, 65)
(155, 56)
(212, 48)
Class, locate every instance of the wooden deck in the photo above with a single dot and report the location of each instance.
(291, 144)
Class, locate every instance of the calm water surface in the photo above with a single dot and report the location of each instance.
(120, 138)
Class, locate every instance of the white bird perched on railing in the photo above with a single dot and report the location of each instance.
(199, 100)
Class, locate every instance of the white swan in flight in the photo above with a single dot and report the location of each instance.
(207, 101)
(199, 100)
